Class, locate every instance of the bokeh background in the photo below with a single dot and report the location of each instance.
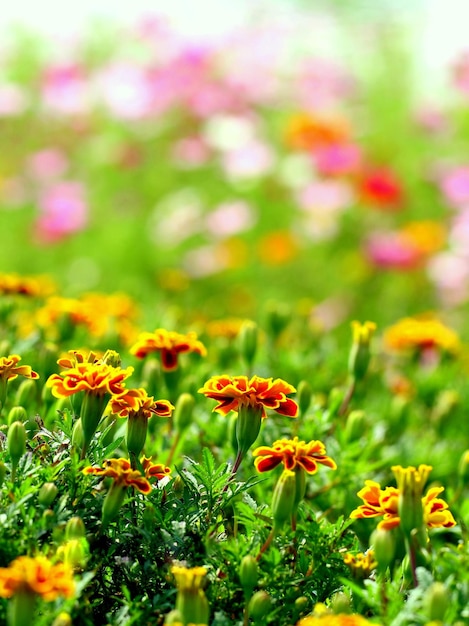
(215, 157)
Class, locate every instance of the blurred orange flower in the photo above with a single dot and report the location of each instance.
(306, 132)
(169, 343)
(37, 575)
(277, 248)
(421, 333)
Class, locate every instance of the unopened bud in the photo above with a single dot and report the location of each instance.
(62, 619)
(112, 358)
(17, 414)
(3, 471)
(384, 548)
(75, 528)
(16, 442)
(183, 411)
(340, 603)
(259, 605)
(436, 601)
(248, 574)
(283, 500)
(27, 392)
(112, 503)
(47, 494)
(277, 318)
(360, 354)
(77, 434)
(248, 336)
(303, 396)
(355, 426)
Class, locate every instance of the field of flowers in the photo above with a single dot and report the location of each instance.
(234, 363)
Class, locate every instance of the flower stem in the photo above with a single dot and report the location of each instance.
(348, 397)
(267, 543)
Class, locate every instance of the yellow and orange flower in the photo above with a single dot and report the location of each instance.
(170, 344)
(32, 286)
(120, 470)
(307, 132)
(385, 502)
(339, 619)
(293, 453)
(93, 378)
(233, 392)
(362, 564)
(38, 576)
(137, 401)
(9, 368)
(421, 333)
(154, 470)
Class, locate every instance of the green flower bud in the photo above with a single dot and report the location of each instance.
(248, 426)
(112, 358)
(360, 355)
(277, 318)
(355, 425)
(91, 412)
(26, 393)
(259, 605)
(248, 338)
(303, 396)
(436, 601)
(47, 494)
(384, 548)
(301, 603)
(112, 503)
(75, 528)
(16, 442)
(183, 410)
(77, 434)
(74, 553)
(336, 397)
(137, 426)
(340, 603)
(248, 574)
(283, 500)
(17, 414)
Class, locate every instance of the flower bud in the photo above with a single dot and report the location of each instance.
(384, 548)
(259, 605)
(182, 416)
(77, 434)
(16, 442)
(17, 414)
(112, 358)
(303, 396)
(410, 482)
(283, 500)
(75, 528)
(248, 426)
(340, 603)
(191, 602)
(248, 574)
(463, 468)
(3, 471)
(336, 397)
(26, 393)
(112, 503)
(277, 318)
(359, 356)
(47, 494)
(248, 338)
(74, 553)
(137, 426)
(436, 601)
(355, 425)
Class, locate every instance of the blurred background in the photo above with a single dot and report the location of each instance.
(217, 156)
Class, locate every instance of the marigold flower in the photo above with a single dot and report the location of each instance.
(189, 578)
(120, 470)
(307, 132)
(329, 619)
(154, 470)
(95, 378)
(421, 333)
(133, 401)
(362, 564)
(293, 453)
(233, 392)
(36, 575)
(191, 603)
(32, 286)
(9, 368)
(385, 502)
(170, 344)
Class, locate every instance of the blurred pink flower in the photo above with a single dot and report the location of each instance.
(65, 89)
(454, 184)
(230, 218)
(13, 100)
(190, 152)
(125, 90)
(322, 84)
(337, 159)
(325, 195)
(461, 73)
(432, 119)
(391, 251)
(48, 164)
(63, 212)
(450, 274)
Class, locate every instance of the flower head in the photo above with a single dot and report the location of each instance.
(361, 565)
(233, 392)
(293, 453)
(137, 401)
(189, 578)
(36, 575)
(9, 368)
(421, 333)
(96, 378)
(154, 470)
(170, 344)
(378, 502)
(123, 475)
(340, 619)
